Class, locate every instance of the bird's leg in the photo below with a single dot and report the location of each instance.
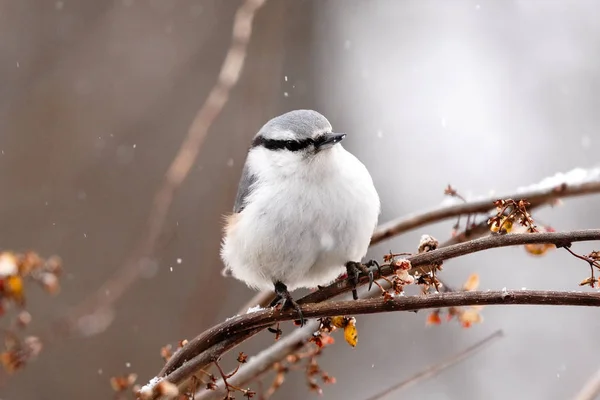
(353, 274)
(355, 269)
(284, 296)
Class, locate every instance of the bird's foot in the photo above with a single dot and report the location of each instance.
(356, 269)
(285, 298)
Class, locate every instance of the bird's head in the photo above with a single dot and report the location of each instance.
(296, 139)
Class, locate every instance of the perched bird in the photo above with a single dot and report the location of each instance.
(304, 212)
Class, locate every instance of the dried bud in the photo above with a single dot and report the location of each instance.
(538, 249)
(23, 319)
(312, 368)
(326, 325)
(594, 255)
(427, 243)
(313, 386)
(167, 389)
(28, 262)
(122, 383)
(292, 358)
(404, 278)
(13, 288)
(33, 346)
(472, 283)
(242, 358)
(183, 343)
(589, 281)
(12, 360)
(166, 352)
(434, 318)
(8, 264)
(501, 225)
(328, 379)
(351, 333)
(321, 339)
(338, 322)
(50, 283)
(523, 204)
(450, 191)
(53, 265)
(387, 296)
(401, 265)
(469, 317)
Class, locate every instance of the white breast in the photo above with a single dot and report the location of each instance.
(303, 221)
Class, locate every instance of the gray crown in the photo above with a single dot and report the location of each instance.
(305, 123)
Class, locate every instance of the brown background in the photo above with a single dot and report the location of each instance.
(96, 97)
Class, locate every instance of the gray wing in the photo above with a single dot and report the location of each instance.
(244, 188)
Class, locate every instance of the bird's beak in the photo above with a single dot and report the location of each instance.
(329, 139)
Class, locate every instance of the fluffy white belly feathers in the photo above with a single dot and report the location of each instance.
(303, 230)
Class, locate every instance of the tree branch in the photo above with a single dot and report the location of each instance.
(226, 335)
(560, 239)
(414, 303)
(435, 369)
(536, 197)
(266, 318)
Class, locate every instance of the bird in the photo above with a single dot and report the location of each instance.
(304, 212)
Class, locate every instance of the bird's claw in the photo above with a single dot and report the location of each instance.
(285, 298)
(355, 269)
(370, 267)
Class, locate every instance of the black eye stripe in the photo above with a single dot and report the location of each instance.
(280, 144)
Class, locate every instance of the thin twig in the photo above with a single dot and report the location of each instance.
(435, 369)
(262, 362)
(535, 197)
(229, 75)
(591, 389)
(592, 263)
(228, 386)
(232, 331)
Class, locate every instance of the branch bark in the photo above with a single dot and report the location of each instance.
(212, 343)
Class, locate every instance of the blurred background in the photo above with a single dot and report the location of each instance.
(97, 96)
